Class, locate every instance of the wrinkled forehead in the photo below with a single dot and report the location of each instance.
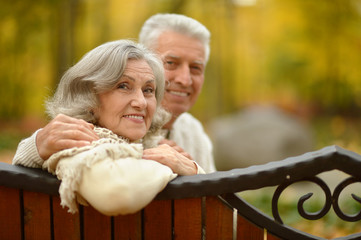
(180, 46)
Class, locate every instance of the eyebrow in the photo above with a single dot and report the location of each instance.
(133, 79)
(199, 62)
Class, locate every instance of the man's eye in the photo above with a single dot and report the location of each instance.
(196, 70)
(168, 62)
(169, 65)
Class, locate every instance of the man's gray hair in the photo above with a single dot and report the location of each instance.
(99, 71)
(159, 23)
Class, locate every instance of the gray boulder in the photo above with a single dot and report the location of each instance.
(257, 135)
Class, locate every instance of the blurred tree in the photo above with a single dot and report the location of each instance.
(283, 52)
(63, 29)
(23, 49)
(312, 53)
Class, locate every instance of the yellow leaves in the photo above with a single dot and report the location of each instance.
(8, 29)
(338, 126)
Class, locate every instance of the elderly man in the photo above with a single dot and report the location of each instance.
(183, 44)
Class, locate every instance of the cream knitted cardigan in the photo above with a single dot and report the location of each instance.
(109, 174)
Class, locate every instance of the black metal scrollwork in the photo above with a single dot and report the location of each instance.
(330, 200)
(336, 195)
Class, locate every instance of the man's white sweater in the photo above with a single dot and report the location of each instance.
(189, 134)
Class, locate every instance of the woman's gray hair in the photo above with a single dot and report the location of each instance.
(159, 23)
(97, 72)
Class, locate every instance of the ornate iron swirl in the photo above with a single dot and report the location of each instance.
(330, 200)
(303, 199)
(336, 195)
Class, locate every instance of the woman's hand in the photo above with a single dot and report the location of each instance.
(176, 147)
(64, 132)
(172, 156)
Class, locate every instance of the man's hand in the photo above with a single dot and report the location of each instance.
(64, 132)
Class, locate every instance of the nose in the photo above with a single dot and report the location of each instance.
(138, 100)
(183, 76)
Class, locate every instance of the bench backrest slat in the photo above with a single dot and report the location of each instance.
(219, 219)
(10, 217)
(96, 225)
(128, 227)
(37, 215)
(157, 222)
(188, 218)
(65, 225)
(271, 237)
(247, 230)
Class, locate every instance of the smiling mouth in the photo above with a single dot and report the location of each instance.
(134, 117)
(181, 94)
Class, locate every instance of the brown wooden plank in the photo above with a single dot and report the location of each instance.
(271, 237)
(247, 230)
(66, 225)
(96, 225)
(37, 223)
(158, 220)
(219, 220)
(188, 218)
(128, 227)
(10, 213)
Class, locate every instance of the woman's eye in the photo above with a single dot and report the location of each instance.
(149, 90)
(123, 86)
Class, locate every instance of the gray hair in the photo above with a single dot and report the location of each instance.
(159, 23)
(97, 72)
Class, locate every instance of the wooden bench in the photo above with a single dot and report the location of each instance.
(190, 207)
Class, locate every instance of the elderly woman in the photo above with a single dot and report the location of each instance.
(117, 87)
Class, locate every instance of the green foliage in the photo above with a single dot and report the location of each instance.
(9, 141)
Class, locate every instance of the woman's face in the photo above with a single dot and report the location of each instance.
(128, 109)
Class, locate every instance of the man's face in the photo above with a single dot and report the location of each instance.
(184, 64)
